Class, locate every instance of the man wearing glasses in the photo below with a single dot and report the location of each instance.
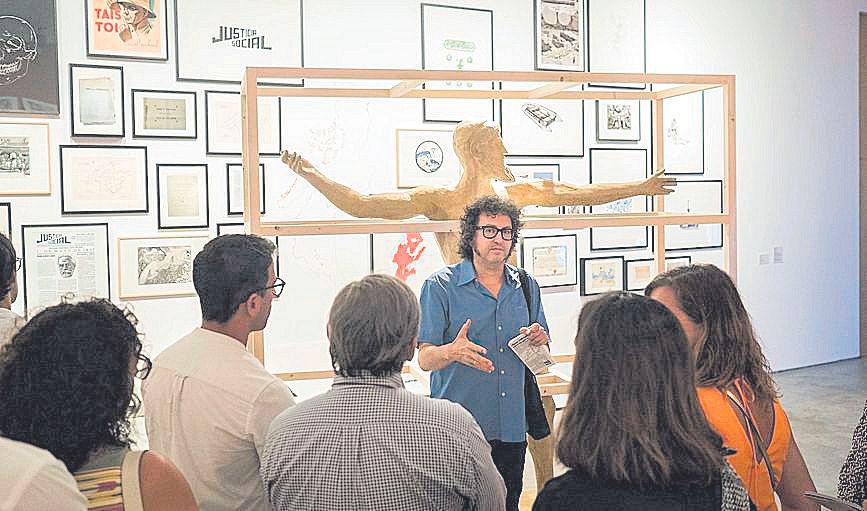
(10, 263)
(209, 402)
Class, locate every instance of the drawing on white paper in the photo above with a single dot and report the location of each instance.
(619, 117)
(459, 54)
(561, 39)
(618, 207)
(673, 133)
(603, 276)
(183, 195)
(104, 178)
(20, 48)
(542, 116)
(66, 266)
(326, 143)
(15, 155)
(549, 261)
(165, 265)
(429, 156)
(96, 97)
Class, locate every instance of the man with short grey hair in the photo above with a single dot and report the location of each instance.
(368, 443)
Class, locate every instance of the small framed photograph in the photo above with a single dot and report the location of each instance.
(703, 197)
(223, 124)
(542, 127)
(182, 196)
(96, 101)
(529, 172)
(127, 29)
(552, 260)
(426, 158)
(164, 114)
(601, 274)
(157, 266)
(609, 165)
(235, 189)
(639, 272)
(683, 126)
(103, 179)
(559, 35)
(25, 160)
(618, 120)
(6, 219)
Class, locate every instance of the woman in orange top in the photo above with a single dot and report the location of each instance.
(735, 385)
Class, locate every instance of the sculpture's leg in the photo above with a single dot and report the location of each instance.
(542, 451)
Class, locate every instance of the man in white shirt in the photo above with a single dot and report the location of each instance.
(208, 402)
(9, 266)
(31, 479)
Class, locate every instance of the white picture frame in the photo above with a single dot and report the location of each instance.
(182, 196)
(618, 120)
(25, 159)
(223, 124)
(601, 274)
(164, 114)
(551, 260)
(551, 128)
(611, 165)
(616, 39)
(96, 101)
(559, 35)
(411, 257)
(683, 134)
(529, 172)
(103, 179)
(699, 196)
(157, 266)
(235, 189)
(426, 157)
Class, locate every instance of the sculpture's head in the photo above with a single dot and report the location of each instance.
(479, 146)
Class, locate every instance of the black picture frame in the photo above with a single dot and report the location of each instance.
(642, 86)
(594, 244)
(574, 247)
(195, 116)
(164, 19)
(161, 224)
(536, 53)
(144, 186)
(210, 152)
(582, 149)
(716, 227)
(73, 105)
(36, 92)
(626, 262)
(263, 195)
(582, 264)
(8, 207)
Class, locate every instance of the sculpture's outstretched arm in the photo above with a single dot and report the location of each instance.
(554, 193)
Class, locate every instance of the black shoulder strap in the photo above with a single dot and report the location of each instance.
(524, 279)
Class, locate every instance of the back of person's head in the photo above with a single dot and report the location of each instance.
(372, 326)
(633, 415)
(729, 348)
(228, 270)
(8, 259)
(66, 380)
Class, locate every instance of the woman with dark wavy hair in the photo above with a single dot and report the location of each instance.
(66, 385)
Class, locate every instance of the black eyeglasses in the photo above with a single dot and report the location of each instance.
(276, 287)
(18, 263)
(490, 232)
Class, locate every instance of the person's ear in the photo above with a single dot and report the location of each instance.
(252, 304)
(410, 349)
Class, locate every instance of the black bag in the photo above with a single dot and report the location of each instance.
(537, 421)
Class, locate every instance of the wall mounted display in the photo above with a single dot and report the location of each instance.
(559, 34)
(542, 127)
(639, 272)
(96, 101)
(103, 179)
(683, 126)
(223, 124)
(527, 172)
(411, 257)
(25, 161)
(457, 39)
(616, 39)
(601, 274)
(235, 188)
(6, 219)
(60, 261)
(257, 34)
(164, 114)
(426, 158)
(618, 120)
(128, 29)
(29, 78)
(182, 196)
(619, 166)
(157, 266)
(551, 259)
(694, 197)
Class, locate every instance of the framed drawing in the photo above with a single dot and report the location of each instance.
(127, 29)
(411, 257)
(601, 274)
(96, 101)
(223, 124)
(6, 219)
(683, 125)
(103, 179)
(25, 160)
(551, 259)
(426, 158)
(29, 78)
(67, 260)
(559, 34)
(618, 120)
(157, 266)
(235, 189)
(619, 166)
(164, 114)
(259, 34)
(542, 127)
(694, 197)
(457, 39)
(527, 172)
(616, 41)
(639, 272)
(182, 196)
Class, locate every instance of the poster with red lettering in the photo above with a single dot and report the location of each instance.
(127, 29)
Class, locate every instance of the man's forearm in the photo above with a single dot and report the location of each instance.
(434, 358)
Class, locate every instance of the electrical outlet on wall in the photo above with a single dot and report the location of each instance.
(764, 258)
(778, 255)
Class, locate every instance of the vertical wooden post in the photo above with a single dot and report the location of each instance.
(730, 239)
(658, 128)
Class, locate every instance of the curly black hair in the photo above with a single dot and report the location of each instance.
(65, 380)
(489, 205)
(7, 265)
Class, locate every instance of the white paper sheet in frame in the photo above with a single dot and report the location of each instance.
(235, 188)
(694, 197)
(525, 173)
(157, 266)
(6, 219)
(97, 101)
(223, 124)
(103, 179)
(683, 127)
(25, 161)
(616, 38)
(542, 127)
(411, 257)
(60, 261)
(164, 114)
(216, 39)
(639, 272)
(601, 274)
(618, 120)
(426, 158)
(559, 34)
(182, 196)
(618, 166)
(551, 259)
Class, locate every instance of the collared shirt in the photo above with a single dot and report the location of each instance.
(448, 298)
(208, 404)
(368, 443)
(31, 479)
(10, 323)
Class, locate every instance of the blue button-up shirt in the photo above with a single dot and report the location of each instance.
(448, 298)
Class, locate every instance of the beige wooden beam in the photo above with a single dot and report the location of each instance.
(403, 87)
(683, 89)
(548, 89)
(313, 92)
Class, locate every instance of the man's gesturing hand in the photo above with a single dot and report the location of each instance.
(468, 353)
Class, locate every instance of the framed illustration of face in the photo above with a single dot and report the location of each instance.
(157, 266)
(126, 29)
(29, 76)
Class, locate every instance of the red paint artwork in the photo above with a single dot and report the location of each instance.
(407, 254)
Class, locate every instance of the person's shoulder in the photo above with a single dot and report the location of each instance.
(444, 414)
(162, 484)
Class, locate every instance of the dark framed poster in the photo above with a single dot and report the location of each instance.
(29, 77)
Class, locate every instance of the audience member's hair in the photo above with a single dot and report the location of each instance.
(228, 270)
(486, 205)
(7, 265)
(372, 325)
(730, 348)
(633, 414)
(65, 381)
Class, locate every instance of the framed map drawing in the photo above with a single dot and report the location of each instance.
(616, 39)
(236, 35)
(6, 219)
(457, 39)
(25, 160)
(619, 166)
(182, 196)
(164, 114)
(683, 127)
(527, 172)
(103, 179)
(694, 197)
(639, 272)
(235, 189)
(551, 259)
(601, 274)
(29, 77)
(223, 124)
(127, 29)
(96, 101)
(559, 34)
(411, 257)
(542, 127)
(426, 158)
(618, 120)
(67, 260)
(157, 266)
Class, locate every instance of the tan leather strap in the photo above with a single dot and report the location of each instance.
(129, 473)
(757, 437)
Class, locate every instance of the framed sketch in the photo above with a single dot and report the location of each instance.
(542, 127)
(411, 257)
(457, 39)
(29, 80)
(223, 124)
(96, 100)
(618, 120)
(694, 197)
(6, 219)
(235, 188)
(616, 41)
(103, 179)
(157, 266)
(619, 166)
(164, 114)
(559, 34)
(683, 126)
(182, 196)
(639, 272)
(127, 29)
(236, 35)
(25, 160)
(551, 259)
(61, 261)
(601, 274)
(528, 172)
(426, 158)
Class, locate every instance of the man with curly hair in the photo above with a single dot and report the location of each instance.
(9, 266)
